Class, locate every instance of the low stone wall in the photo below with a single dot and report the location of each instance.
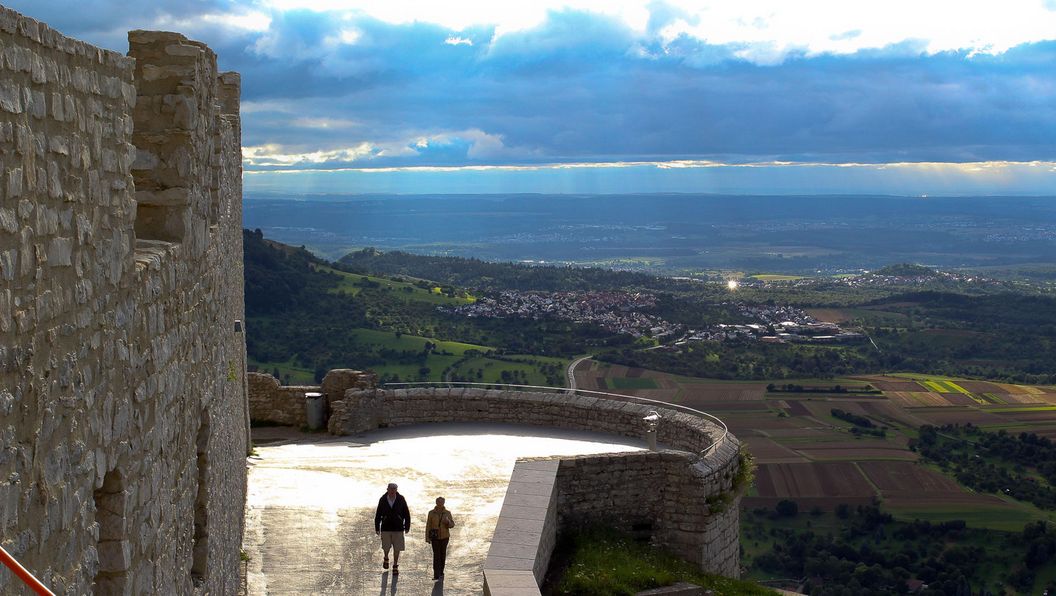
(367, 409)
(275, 403)
(272, 402)
(683, 501)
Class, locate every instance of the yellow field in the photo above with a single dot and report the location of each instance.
(917, 399)
(944, 386)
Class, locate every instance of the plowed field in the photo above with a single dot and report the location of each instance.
(832, 479)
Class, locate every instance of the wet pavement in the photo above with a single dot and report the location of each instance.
(311, 500)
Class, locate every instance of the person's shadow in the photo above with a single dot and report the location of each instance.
(385, 583)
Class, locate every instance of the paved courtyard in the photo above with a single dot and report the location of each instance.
(310, 507)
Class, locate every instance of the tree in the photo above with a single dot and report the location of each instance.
(787, 508)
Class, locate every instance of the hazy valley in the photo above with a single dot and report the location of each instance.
(674, 233)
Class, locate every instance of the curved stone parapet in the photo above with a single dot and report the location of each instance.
(363, 410)
(684, 497)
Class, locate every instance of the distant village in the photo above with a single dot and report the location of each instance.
(617, 312)
(775, 324)
(620, 312)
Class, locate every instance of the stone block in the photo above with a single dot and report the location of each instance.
(10, 97)
(60, 251)
(14, 183)
(115, 556)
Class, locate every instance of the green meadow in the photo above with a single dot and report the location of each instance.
(354, 283)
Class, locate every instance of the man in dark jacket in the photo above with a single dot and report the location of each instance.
(391, 521)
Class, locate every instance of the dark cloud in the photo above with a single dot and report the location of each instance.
(583, 87)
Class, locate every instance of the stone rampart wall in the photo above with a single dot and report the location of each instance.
(122, 386)
(367, 409)
(272, 402)
(680, 500)
(275, 403)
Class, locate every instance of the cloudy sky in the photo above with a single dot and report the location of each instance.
(754, 96)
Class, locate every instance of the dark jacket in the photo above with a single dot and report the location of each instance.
(392, 519)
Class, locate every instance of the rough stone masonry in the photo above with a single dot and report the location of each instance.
(122, 368)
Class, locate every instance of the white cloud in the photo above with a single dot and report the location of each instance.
(766, 29)
(324, 123)
(248, 21)
(274, 155)
(479, 145)
(455, 41)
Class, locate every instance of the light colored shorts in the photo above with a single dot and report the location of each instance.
(393, 540)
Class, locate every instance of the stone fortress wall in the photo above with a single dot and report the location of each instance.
(682, 500)
(123, 414)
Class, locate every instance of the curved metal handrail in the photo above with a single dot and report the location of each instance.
(588, 392)
(23, 574)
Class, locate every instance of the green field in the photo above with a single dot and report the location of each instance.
(986, 518)
(388, 339)
(444, 355)
(632, 382)
(519, 370)
(289, 372)
(353, 283)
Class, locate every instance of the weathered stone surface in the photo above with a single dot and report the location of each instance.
(122, 387)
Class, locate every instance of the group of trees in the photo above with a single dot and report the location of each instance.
(862, 425)
(873, 554)
(742, 359)
(1022, 466)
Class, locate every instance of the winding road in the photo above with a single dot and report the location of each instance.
(571, 372)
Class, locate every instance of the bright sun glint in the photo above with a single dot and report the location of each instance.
(732, 284)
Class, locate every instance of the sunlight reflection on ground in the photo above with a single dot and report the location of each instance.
(310, 506)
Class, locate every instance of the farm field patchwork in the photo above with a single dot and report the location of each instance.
(900, 478)
(829, 480)
(853, 453)
(807, 455)
(768, 451)
(960, 416)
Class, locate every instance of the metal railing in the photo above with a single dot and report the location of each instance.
(587, 392)
(23, 574)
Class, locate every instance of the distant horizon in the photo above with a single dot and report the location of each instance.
(673, 231)
(277, 194)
